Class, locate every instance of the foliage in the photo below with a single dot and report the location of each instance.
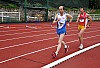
(38, 5)
(52, 8)
(95, 11)
(12, 6)
(8, 6)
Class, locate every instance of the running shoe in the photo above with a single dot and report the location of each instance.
(66, 49)
(54, 55)
(81, 46)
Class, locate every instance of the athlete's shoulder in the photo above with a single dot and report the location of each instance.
(58, 13)
(87, 14)
(65, 13)
(78, 15)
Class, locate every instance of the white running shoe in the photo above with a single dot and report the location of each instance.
(66, 48)
(81, 46)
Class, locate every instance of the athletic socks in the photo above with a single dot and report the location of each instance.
(65, 46)
(81, 46)
(56, 53)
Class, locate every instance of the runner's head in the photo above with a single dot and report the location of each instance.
(61, 9)
(82, 10)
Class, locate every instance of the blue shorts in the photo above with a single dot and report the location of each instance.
(61, 31)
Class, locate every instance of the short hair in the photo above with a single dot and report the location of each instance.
(83, 8)
(63, 7)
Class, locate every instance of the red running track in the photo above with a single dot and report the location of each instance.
(22, 47)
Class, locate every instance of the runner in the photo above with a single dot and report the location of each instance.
(61, 19)
(83, 23)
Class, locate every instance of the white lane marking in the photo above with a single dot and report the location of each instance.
(26, 37)
(15, 30)
(35, 36)
(36, 41)
(31, 36)
(25, 29)
(27, 43)
(59, 61)
(41, 50)
(33, 31)
(26, 32)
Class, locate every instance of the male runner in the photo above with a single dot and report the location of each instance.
(61, 19)
(83, 23)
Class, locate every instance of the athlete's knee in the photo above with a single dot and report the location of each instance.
(79, 34)
(59, 42)
(84, 28)
(63, 42)
(59, 45)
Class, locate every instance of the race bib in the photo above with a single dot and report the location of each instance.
(81, 20)
(60, 25)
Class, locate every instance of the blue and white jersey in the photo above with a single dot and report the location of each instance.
(62, 23)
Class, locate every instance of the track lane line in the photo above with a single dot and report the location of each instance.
(32, 36)
(42, 50)
(15, 30)
(34, 31)
(25, 32)
(31, 31)
(59, 61)
(22, 44)
(26, 29)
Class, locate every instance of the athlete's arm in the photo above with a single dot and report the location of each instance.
(56, 19)
(71, 18)
(90, 18)
(77, 19)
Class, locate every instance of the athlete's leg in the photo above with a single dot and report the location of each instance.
(59, 43)
(80, 35)
(66, 47)
(63, 42)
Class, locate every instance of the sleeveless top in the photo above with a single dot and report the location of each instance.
(82, 19)
(62, 23)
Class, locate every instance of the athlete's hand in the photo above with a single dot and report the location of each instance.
(87, 26)
(77, 22)
(58, 19)
(68, 24)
